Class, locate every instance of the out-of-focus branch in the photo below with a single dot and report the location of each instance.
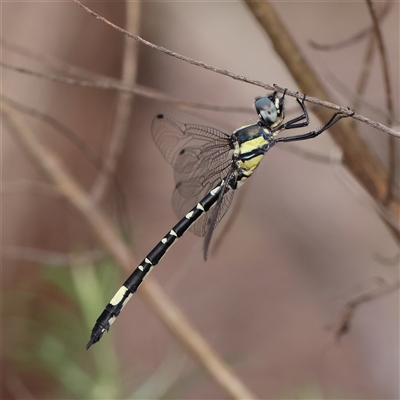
(364, 165)
(356, 38)
(124, 104)
(356, 156)
(383, 58)
(50, 257)
(69, 134)
(107, 83)
(393, 162)
(365, 72)
(166, 310)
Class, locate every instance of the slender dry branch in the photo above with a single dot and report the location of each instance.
(166, 310)
(176, 55)
(241, 78)
(113, 84)
(364, 165)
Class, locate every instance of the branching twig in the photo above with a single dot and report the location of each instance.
(353, 39)
(342, 325)
(364, 165)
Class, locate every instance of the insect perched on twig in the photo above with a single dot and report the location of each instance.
(209, 166)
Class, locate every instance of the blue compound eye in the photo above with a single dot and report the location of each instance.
(266, 110)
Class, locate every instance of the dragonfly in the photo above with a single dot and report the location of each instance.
(209, 166)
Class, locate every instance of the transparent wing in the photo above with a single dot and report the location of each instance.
(201, 158)
(172, 136)
(206, 224)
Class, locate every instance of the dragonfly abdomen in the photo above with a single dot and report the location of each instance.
(130, 286)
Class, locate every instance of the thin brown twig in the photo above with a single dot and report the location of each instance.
(242, 78)
(174, 54)
(166, 310)
(110, 84)
(107, 83)
(333, 106)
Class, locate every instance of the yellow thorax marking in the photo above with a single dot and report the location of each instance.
(247, 147)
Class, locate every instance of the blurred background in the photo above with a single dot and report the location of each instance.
(306, 238)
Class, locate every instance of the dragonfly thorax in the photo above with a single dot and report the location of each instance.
(252, 143)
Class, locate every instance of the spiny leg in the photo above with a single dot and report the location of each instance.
(295, 122)
(335, 118)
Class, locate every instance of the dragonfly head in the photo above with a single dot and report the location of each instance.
(270, 109)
